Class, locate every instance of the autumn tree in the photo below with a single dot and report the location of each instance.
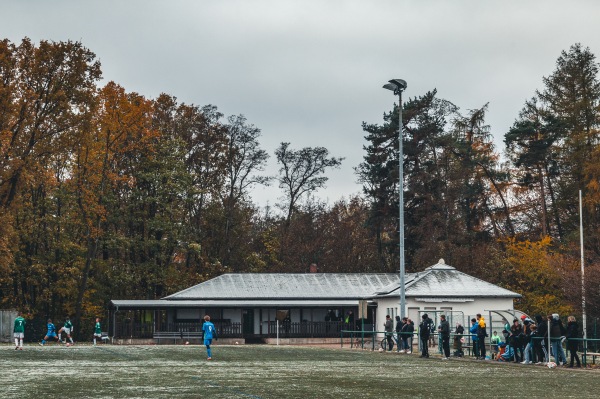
(533, 269)
(46, 100)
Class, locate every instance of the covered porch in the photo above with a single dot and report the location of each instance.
(251, 321)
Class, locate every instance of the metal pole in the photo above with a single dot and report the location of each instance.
(555, 358)
(397, 86)
(582, 268)
(401, 206)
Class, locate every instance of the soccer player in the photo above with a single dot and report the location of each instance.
(67, 328)
(51, 333)
(209, 331)
(97, 330)
(19, 331)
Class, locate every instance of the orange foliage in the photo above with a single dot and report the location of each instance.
(533, 271)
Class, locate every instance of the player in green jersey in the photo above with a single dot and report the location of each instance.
(97, 330)
(19, 331)
(67, 328)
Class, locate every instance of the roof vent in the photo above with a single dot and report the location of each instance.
(441, 261)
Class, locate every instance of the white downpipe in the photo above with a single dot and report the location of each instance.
(277, 332)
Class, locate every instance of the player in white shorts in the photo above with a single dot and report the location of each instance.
(66, 328)
(97, 330)
(19, 331)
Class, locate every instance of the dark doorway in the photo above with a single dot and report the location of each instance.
(248, 322)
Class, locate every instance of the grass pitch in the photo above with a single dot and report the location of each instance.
(261, 372)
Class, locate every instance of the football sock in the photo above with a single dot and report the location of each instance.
(208, 351)
(71, 339)
(59, 337)
(94, 341)
(43, 341)
(21, 342)
(16, 341)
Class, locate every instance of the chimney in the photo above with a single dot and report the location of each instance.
(313, 268)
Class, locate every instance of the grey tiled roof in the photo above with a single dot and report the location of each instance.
(442, 280)
(291, 286)
(438, 280)
(125, 304)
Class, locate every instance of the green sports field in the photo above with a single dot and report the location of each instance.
(253, 371)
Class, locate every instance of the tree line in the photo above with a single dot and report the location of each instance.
(108, 194)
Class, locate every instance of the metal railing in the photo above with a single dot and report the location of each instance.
(590, 346)
(306, 329)
(129, 329)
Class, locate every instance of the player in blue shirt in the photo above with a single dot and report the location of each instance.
(209, 331)
(51, 333)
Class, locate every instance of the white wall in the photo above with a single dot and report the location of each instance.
(478, 305)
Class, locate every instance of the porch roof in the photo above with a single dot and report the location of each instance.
(262, 303)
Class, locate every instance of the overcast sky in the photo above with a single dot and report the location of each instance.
(310, 72)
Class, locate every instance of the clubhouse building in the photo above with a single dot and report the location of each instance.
(295, 307)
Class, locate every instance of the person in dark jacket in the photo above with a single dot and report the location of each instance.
(526, 341)
(481, 335)
(557, 332)
(407, 335)
(572, 346)
(542, 332)
(424, 333)
(399, 325)
(516, 336)
(458, 340)
(389, 332)
(444, 330)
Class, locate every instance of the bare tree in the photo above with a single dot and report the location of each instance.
(301, 172)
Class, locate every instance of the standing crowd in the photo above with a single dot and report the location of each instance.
(526, 341)
(523, 341)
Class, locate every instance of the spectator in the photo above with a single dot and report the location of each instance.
(474, 337)
(495, 341)
(506, 330)
(399, 324)
(349, 320)
(481, 335)
(389, 332)
(516, 336)
(572, 345)
(557, 332)
(537, 344)
(458, 340)
(407, 335)
(542, 332)
(424, 334)
(506, 353)
(444, 330)
(526, 341)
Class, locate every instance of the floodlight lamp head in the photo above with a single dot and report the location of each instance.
(400, 83)
(396, 85)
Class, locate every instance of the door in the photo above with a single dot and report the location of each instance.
(248, 322)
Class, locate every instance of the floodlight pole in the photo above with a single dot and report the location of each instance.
(582, 269)
(398, 86)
